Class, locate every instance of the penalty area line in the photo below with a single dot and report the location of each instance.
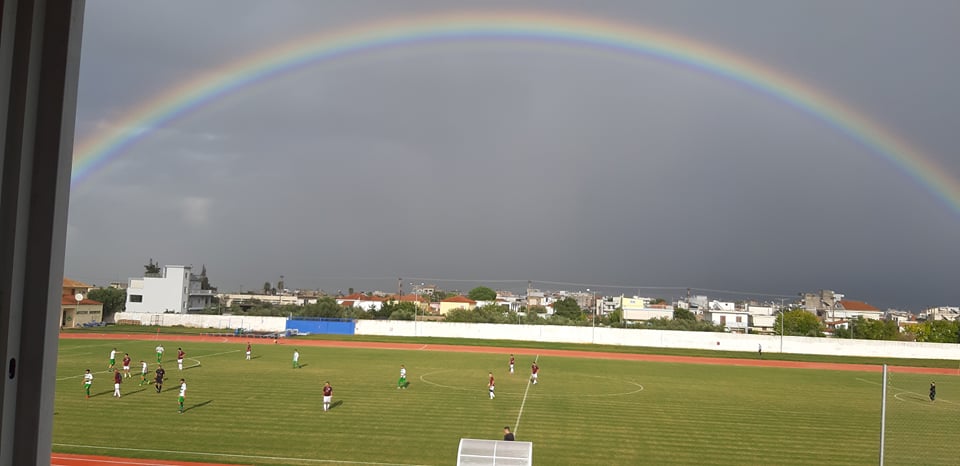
(234, 455)
(516, 425)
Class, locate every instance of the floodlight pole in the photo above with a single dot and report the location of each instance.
(883, 414)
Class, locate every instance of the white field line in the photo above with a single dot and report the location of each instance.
(233, 455)
(138, 366)
(902, 391)
(516, 425)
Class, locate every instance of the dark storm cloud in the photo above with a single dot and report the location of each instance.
(519, 161)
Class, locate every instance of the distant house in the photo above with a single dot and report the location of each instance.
(647, 312)
(456, 302)
(762, 324)
(362, 301)
(941, 313)
(422, 303)
(731, 321)
(175, 289)
(848, 310)
(74, 313)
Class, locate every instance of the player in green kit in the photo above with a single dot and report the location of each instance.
(143, 372)
(87, 382)
(183, 394)
(159, 353)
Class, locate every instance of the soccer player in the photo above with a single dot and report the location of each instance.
(183, 394)
(534, 369)
(87, 382)
(491, 386)
(113, 358)
(126, 365)
(158, 381)
(159, 353)
(933, 390)
(249, 349)
(402, 383)
(327, 396)
(507, 435)
(296, 359)
(511, 363)
(117, 379)
(143, 372)
(180, 355)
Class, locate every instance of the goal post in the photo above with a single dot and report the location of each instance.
(478, 452)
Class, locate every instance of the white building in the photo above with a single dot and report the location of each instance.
(174, 289)
(941, 313)
(732, 321)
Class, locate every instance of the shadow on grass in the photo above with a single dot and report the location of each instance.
(101, 393)
(301, 366)
(255, 357)
(198, 405)
(134, 391)
(336, 404)
(190, 367)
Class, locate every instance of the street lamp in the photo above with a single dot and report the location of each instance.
(782, 318)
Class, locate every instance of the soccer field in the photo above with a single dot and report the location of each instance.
(583, 411)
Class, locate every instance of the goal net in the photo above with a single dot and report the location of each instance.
(476, 452)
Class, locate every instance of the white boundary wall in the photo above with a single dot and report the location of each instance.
(253, 323)
(662, 339)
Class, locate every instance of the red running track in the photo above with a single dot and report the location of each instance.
(66, 459)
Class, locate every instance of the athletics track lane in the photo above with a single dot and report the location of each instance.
(66, 459)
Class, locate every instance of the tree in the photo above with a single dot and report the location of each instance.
(683, 314)
(482, 293)
(568, 308)
(798, 322)
(614, 319)
(114, 300)
(936, 331)
(266, 287)
(869, 329)
(152, 268)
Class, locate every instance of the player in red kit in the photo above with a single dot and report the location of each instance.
(327, 396)
(249, 350)
(180, 355)
(511, 363)
(534, 370)
(491, 386)
(117, 379)
(126, 365)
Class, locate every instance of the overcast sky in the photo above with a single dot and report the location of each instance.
(521, 161)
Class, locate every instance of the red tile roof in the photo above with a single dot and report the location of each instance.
(857, 306)
(68, 283)
(459, 299)
(67, 300)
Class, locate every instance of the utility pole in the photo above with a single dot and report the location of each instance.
(399, 288)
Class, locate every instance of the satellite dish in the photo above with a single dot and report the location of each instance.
(78, 296)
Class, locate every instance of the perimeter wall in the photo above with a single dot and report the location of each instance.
(598, 335)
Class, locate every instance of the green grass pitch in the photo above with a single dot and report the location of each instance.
(583, 412)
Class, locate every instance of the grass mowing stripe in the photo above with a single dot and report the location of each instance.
(230, 455)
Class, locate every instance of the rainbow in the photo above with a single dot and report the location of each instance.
(100, 149)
